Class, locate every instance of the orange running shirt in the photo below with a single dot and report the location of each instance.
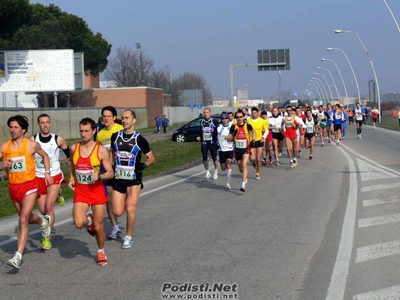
(23, 164)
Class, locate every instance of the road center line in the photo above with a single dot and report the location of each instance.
(340, 272)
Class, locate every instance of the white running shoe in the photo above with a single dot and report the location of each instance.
(208, 174)
(215, 176)
(115, 233)
(228, 186)
(46, 230)
(14, 262)
(128, 243)
(243, 188)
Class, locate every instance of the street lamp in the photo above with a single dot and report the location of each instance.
(372, 66)
(351, 67)
(329, 88)
(320, 88)
(394, 19)
(319, 94)
(340, 74)
(333, 80)
(323, 87)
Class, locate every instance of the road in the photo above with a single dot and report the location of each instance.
(327, 229)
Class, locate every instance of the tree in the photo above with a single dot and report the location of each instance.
(161, 78)
(130, 68)
(190, 81)
(27, 26)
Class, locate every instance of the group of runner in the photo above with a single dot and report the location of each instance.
(105, 174)
(252, 137)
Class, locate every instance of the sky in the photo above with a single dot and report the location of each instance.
(208, 36)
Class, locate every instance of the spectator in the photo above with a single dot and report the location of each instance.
(398, 115)
(165, 123)
(158, 123)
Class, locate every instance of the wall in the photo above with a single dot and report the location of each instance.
(182, 114)
(65, 122)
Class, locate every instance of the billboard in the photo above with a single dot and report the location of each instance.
(279, 57)
(37, 71)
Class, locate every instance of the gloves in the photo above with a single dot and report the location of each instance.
(140, 166)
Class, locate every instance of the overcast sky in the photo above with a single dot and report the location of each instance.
(208, 36)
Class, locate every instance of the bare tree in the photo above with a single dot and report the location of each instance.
(129, 68)
(190, 81)
(161, 78)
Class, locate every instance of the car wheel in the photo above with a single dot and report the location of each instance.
(180, 138)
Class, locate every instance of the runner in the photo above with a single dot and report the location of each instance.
(359, 115)
(375, 115)
(344, 124)
(109, 114)
(329, 124)
(338, 119)
(275, 126)
(322, 119)
(231, 117)
(242, 133)
(310, 132)
(300, 131)
(208, 138)
(225, 148)
(351, 116)
(127, 147)
(290, 124)
(51, 144)
(19, 164)
(268, 141)
(257, 145)
(89, 166)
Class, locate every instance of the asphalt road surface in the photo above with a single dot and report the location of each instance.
(327, 229)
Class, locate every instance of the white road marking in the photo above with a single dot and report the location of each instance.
(375, 221)
(392, 292)
(377, 251)
(340, 272)
(387, 200)
(10, 240)
(380, 187)
(371, 172)
(371, 161)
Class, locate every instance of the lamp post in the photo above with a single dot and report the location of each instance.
(371, 63)
(315, 88)
(340, 74)
(394, 19)
(323, 87)
(326, 81)
(333, 80)
(351, 67)
(320, 88)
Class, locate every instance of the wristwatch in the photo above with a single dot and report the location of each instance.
(99, 176)
(48, 172)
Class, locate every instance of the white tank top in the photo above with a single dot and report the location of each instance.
(53, 151)
(223, 132)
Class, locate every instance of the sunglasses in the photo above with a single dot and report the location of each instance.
(224, 118)
(241, 117)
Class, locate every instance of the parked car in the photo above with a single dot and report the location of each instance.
(190, 131)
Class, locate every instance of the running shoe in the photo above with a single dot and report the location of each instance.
(46, 230)
(15, 261)
(60, 199)
(264, 161)
(46, 244)
(323, 144)
(115, 233)
(310, 157)
(101, 258)
(271, 162)
(360, 135)
(337, 143)
(228, 186)
(90, 226)
(280, 153)
(277, 163)
(295, 163)
(257, 176)
(215, 175)
(243, 188)
(292, 164)
(128, 243)
(208, 174)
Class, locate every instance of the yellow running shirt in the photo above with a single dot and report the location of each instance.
(259, 126)
(104, 135)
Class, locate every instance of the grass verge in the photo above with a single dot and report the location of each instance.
(168, 155)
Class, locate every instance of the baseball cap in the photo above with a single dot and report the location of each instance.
(224, 115)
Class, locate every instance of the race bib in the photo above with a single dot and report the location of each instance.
(310, 128)
(84, 176)
(18, 164)
(224, 138)
(359, 117)
(40, 162)
(207, 134)
(276, 130)
(241, 144)
(338, 117)
(289, 124)
(125, 172)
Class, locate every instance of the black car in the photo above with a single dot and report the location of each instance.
(190, 131)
